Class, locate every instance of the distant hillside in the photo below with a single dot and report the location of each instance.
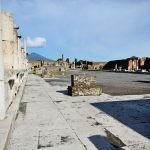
(38, 57)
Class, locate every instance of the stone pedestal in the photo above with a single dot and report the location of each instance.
(84, 85)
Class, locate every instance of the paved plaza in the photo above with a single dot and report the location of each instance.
(113, 83)
(49, 119)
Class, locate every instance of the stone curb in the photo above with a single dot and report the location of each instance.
(7, 125)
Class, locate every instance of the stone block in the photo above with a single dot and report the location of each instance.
(84, 91)
(84, 85)
(85, 80)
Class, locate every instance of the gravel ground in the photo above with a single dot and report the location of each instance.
(111, 82)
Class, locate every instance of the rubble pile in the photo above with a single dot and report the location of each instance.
(84, 85)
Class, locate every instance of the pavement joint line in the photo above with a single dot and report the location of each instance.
(137, 144)
(67, 121)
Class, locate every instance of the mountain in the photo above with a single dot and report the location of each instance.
(38, 57)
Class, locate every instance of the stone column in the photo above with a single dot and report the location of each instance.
(137, 65)
(16, 56)
(19, 52)
(15, 48)
(116, 67)
(2, 84)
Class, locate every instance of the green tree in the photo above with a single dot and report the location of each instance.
(75, 60)
(67, 60)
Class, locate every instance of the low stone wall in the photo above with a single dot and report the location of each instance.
(13, 81)
(84, 85)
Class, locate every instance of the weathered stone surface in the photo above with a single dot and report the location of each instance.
(85, 80)
(84, 91)
(61, 122)
(84, 85)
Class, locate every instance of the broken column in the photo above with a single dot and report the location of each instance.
(84, 85)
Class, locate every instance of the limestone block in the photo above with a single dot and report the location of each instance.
(8, 47)
(7, 27)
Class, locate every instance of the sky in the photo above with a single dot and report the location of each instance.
(97, 30)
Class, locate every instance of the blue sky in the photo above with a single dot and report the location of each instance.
(99, 30)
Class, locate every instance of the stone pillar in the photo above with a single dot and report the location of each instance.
(137, 65)
(2, 84)
(7, 40)
(15, 48)
(73, 66)
(116, 67)
(19, 52)
(16, 57)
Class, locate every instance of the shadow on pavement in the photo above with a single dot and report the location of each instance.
(134, 113)
(102, 143)
(65, 92)
(140, 81)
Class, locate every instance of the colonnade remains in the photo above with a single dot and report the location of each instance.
(13, 61)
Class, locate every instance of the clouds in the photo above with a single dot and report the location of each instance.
(92, 29)
(38, 42)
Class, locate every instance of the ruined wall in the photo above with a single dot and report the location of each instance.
(37, 64)
(64, 65)
(32, 65)
(14, 57)
(84, 85)
(116, 64)
(97, 66)
(133, 64)
(144, 63)
(130, 64)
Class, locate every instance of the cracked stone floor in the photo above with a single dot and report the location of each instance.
(49, 119)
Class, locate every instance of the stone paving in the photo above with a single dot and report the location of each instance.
(49, 119)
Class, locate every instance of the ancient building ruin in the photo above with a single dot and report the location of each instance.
(144, 63)
(13, 62)
(84, 85)
(130, 64)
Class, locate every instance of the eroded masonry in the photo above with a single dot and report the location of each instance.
(84, 85)
(13, 62)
